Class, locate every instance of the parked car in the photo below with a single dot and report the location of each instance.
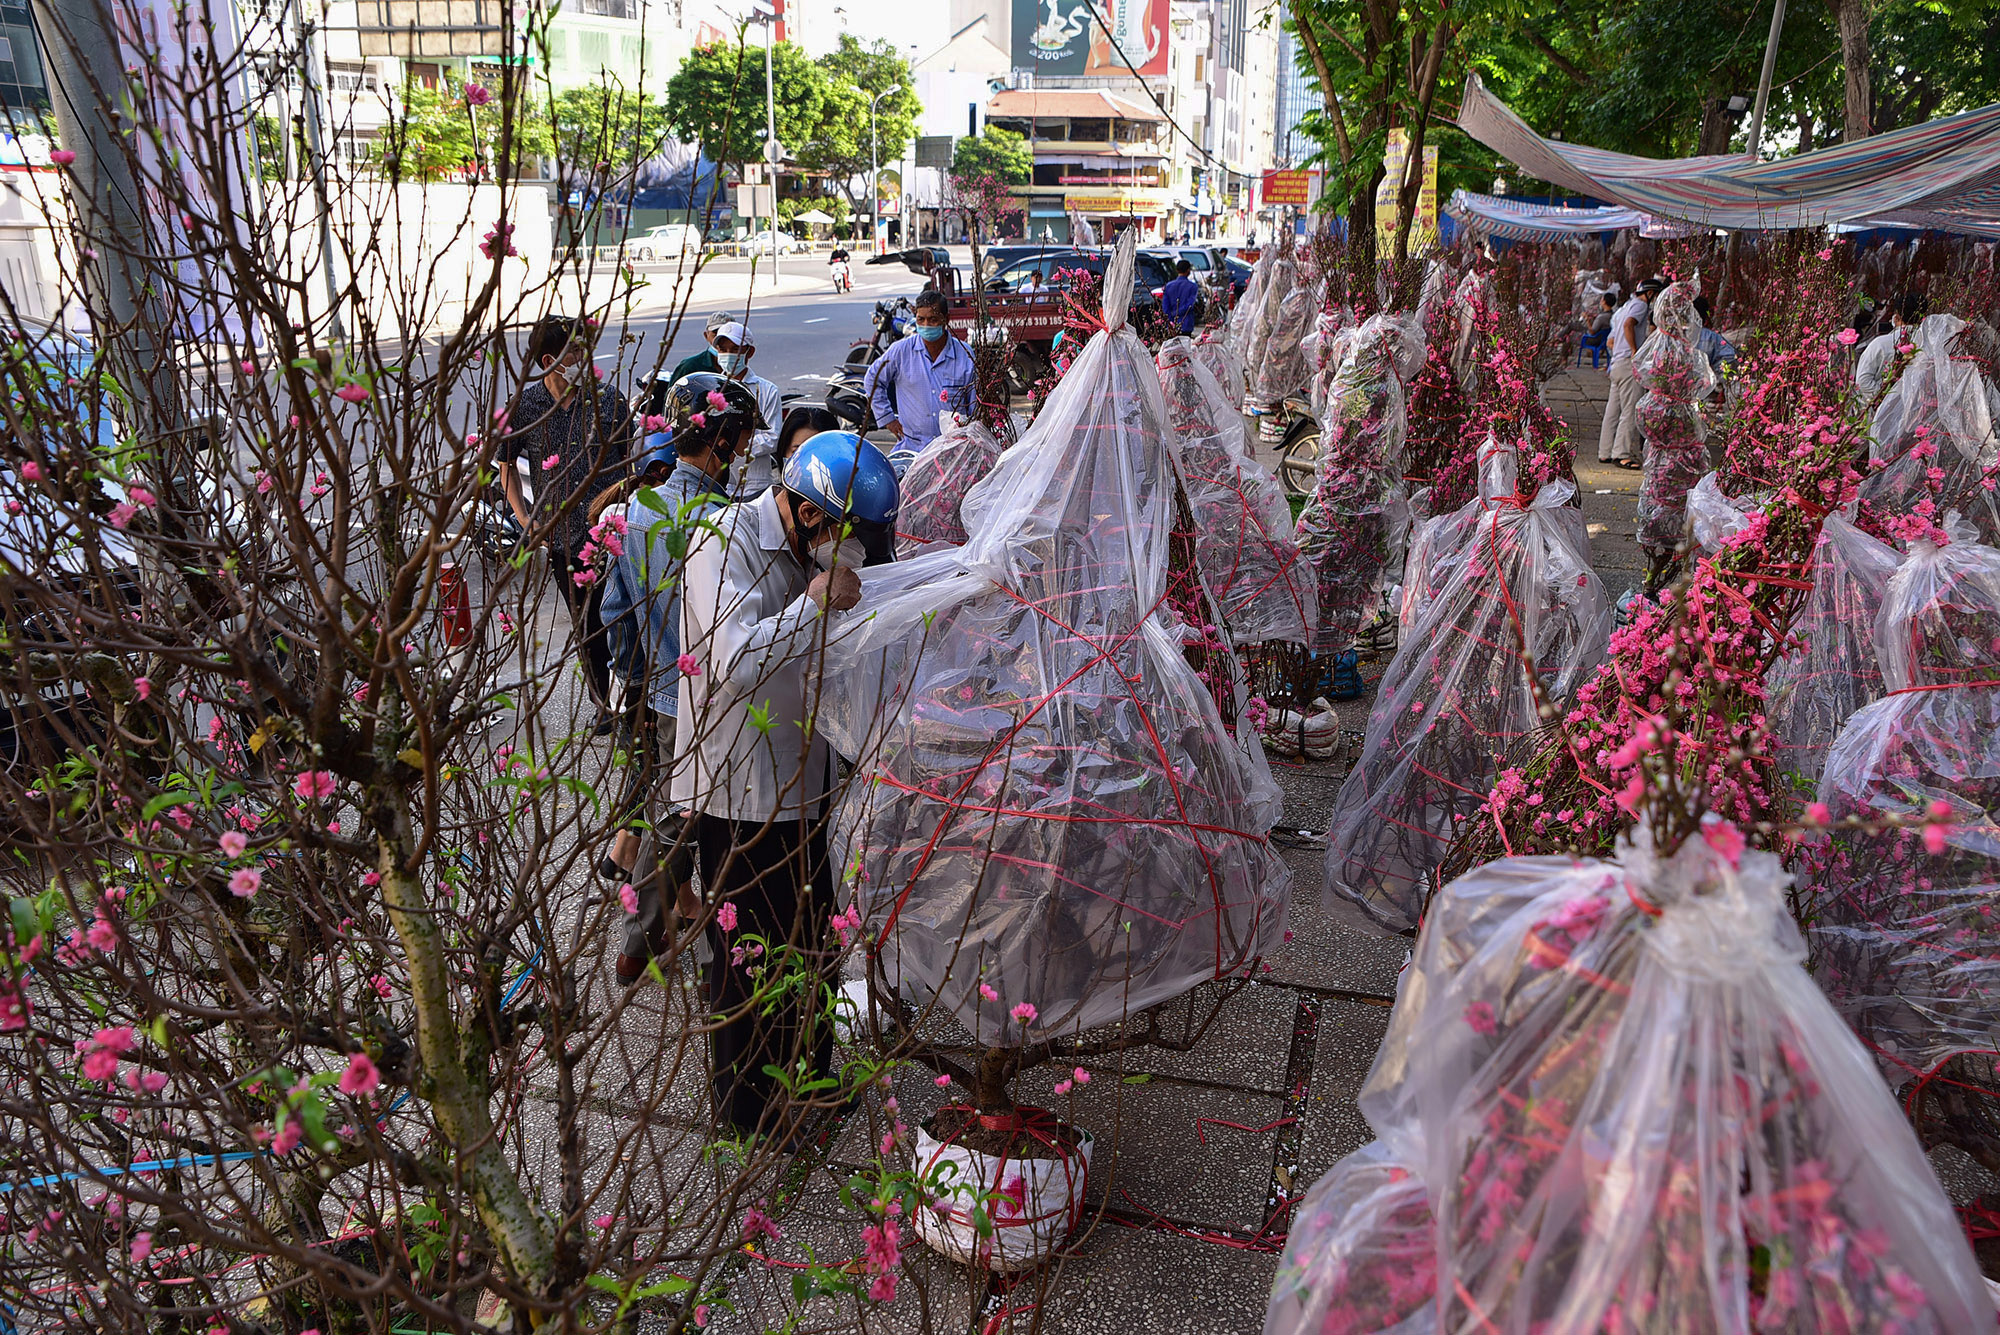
(759, 243)
(994, 258)
(1150, 275)
(669, 241)
(1211, 268)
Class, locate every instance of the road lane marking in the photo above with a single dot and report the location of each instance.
(820, 320)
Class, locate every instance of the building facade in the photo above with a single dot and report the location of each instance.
(1212, 92)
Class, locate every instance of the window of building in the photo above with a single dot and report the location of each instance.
(593, 50)
(350, 76)
(1090, 131)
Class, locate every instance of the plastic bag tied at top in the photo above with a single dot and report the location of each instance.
(1454, 704)
(1906, 941)
(1212, 349)
(1352, 525)
(1673, 370)
(1048, 805)
(1243, 524)
(1632, 1110)
(936, 482)
(1830, 670)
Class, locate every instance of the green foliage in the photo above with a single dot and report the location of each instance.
(831, 205)
(1000, 154)
(854, 74)
(1652, 77)
(438, 133)
(716, 99)
(607, 127)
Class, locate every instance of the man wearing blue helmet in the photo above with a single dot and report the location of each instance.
(752, 769)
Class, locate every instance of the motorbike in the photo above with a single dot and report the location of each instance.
(892, 320)
(843, 277)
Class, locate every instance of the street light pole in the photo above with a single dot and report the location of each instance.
(1764, 79)
(772, 155)
(874, 179)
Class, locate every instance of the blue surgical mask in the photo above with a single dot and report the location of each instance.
(930, 333)
(730, 362)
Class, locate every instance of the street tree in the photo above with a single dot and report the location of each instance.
(716, 99)
(999, 153)
(454, 131)
(607, 128)
(842, 146)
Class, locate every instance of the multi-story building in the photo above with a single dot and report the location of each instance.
(375, 47)
(1296, 97)
(1099, 154)
(1214, 92)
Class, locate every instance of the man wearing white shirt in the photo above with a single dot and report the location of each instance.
(1880, 354)
(735, 345)
(1618, 439)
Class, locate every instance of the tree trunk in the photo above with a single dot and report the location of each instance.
(1852, 16)
(1426, 77)
(1716, 127)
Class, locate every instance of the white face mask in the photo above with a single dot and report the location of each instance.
(848, 552)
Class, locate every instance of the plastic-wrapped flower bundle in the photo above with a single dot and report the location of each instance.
(1325, 349)
(1281, 371)
(1907, 920)
(936, 482)
(1674, 372)
(1281, 283)
(1250, 306)
(1243, 524)
(1631, 1110)
(1360, 1256)
(1715, 518)
(1060, 810)
(1933, 447)
(1437, 541)
(1830, 670)
(1351, 528)
(1212, 350)
(1455, 703)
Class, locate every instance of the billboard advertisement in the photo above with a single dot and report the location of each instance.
(1288, 187)
(1064, 37)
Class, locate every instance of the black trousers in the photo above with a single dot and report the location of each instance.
(765, 871)
(585, 607)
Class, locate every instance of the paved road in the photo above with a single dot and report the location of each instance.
(800, 338)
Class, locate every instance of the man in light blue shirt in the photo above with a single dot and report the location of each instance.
(918, 376)
(714, 420)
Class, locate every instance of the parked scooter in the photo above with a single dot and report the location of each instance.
(892, 319)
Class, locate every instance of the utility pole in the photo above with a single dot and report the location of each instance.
(309, 73)
(84, 55)
(874, 179)
(1764, 79)
(773, 153)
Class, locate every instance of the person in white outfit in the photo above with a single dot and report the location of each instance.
(735, 345)
(1880, 354)
(1618, 439)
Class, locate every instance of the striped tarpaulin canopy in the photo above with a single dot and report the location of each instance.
(1944, 174)
(1520, 220)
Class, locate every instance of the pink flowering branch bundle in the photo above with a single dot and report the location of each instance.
(1680, 703)
(1061, 811)
(1611, 1099)
(1900, 893)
